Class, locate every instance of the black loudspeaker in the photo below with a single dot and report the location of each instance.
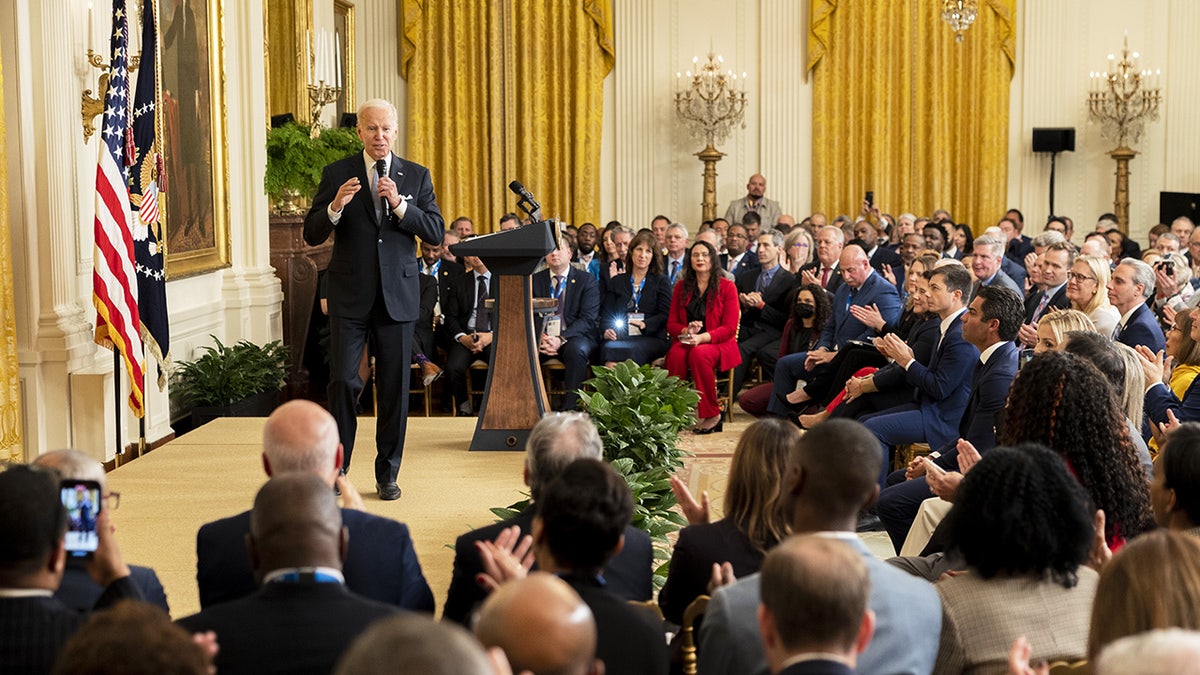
(1054, 139)
(1171, 205)
(280, 120)
(349, 120)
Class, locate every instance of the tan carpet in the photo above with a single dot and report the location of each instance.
(215, 471)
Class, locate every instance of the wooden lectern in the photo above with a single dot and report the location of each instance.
(515, 397)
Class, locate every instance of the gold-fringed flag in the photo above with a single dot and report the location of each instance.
(114, 283)
(145, 185)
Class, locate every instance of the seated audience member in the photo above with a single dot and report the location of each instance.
(814, 617)
(824, 270)
(963, 243)
(1095, 244)
(542, 625)
(1121, 246)
(77, 590)
(1169, 651)
(586, 250)
(738, 256)
(910, 247)
(1131, 285)
(1053, 328)
(1173, 288)
(942, 387)
(1154, 233)
(1017, 245)
(1056, 263)
(1120, 367)
(1184, 353)
(464, 228)
(554, 442)
(579, 526)
(636, 305)
(675, 244)
(569, 333)
(410, 644)
(1175, 490)
(985, 264)
(703, 326)
(799, 250)
(1152, 583)
(753, 523)
(867, 388)
(469, 325)
(33, 527)
(1024, 528)
(301, 437)
(133, 638)
(990, 324)
(823, 493)
(1167, 244)
(1087, 289)
(1160, 399)
(302, 617)
(614, 263)
(809, 314)
(862, 287)
(765, 298)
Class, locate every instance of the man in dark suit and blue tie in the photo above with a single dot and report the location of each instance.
(1131, 285)
(378, 204)
(570, 333)
(942, 387)
(990, 323)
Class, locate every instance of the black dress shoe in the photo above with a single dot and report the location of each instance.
(868, 522)
(711, 430)
(388, 491)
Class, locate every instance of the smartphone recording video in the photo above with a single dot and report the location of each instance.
(81, 499)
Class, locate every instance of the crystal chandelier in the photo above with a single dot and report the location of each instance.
(960, 14)
(709, 102)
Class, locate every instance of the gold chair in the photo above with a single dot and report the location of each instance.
(1070, 667)
(473, 390)
(907, 453)
(687, 633)
(651, 605)
(416, 385)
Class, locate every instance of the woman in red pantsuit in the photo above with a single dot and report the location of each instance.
(703, 326)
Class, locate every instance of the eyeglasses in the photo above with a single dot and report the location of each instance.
(1079, 278)
(112, 501)
(800, 244)
(736, 236)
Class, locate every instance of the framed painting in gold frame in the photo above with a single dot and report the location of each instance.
(196, 205)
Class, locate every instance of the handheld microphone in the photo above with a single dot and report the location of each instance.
(381, 170)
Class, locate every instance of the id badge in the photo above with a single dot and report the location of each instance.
(553, 326)
(630, 318)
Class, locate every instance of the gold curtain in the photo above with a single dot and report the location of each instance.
(487, 105)
(10, 380)
(902, 109)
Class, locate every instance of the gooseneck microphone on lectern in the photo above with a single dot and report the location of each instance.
(527, 203)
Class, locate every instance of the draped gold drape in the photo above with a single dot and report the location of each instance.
(10, 382)
(901, 109)
(488, 104)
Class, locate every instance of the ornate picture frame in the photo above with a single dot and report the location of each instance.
(196, 203)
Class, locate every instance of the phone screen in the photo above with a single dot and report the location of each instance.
(82, 500)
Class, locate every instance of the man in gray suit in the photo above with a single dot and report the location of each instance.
(985, 264)
(823, 494)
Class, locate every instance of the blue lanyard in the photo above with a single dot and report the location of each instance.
(557, 292)
(433, 271)
(637, 292)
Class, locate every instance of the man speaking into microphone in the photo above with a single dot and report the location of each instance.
(377, 204)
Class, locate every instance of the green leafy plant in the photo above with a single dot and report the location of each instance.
(295, 161)
(639, 411)
(224, 375)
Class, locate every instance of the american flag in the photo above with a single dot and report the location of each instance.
(114, 285)
(145, 181)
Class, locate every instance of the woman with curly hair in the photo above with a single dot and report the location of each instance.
(753, 523)
(1025, 529)
(1062, 401)
(703, 327)
(809, 315)
(1153, 583)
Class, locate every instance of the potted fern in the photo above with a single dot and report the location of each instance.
(240, 380)
(295, 161)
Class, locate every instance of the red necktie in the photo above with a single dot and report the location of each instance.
(824, 277)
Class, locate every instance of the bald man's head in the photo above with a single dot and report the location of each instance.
(296, 523)
(73, 465)
(302, 436)
(542, 625)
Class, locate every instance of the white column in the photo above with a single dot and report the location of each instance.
(785, 106)
(637, 140)
(1181, 107)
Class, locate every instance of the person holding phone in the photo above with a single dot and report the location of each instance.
(636, 305)
(33, 524)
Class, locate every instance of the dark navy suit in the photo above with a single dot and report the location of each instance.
(380, 564)
(1057, 301)
(581, 312)
(942, 392)
(842, 328)
(1142, 329)
(627, 575)
(654, 302)
(80, 593)
(1160, 399)
(899, 502)
(891, 380)
(374, 292)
